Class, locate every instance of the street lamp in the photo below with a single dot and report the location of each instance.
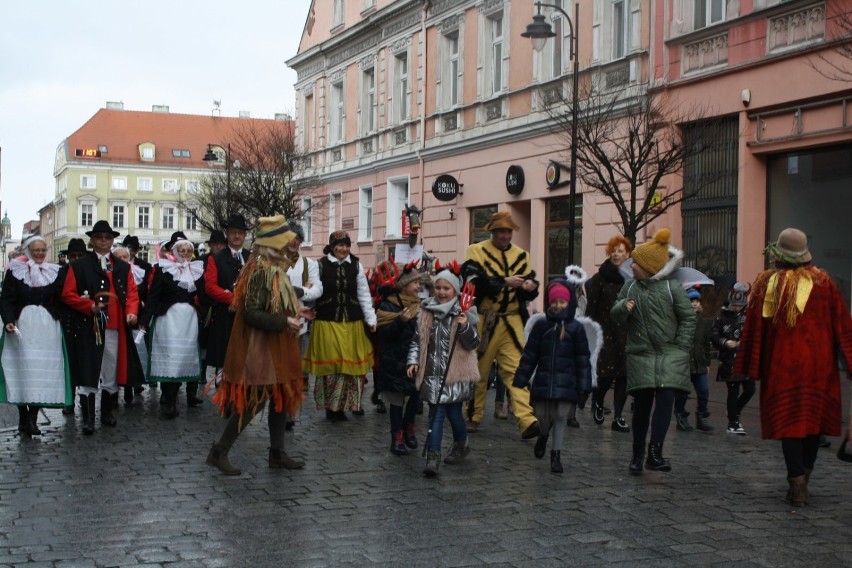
(539, 31)
(211, 156)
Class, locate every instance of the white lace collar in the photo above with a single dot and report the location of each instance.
(138, 273)
(185, 273)
(33, 274)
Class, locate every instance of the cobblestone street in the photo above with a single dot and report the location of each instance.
(141, 495)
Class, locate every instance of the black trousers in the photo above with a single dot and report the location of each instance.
(662, 403)
(800, 454)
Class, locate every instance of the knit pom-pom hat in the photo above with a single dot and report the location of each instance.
(653, 255)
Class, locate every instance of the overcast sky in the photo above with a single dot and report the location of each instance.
(62, 61)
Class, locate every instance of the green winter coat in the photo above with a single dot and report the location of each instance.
(660, 331)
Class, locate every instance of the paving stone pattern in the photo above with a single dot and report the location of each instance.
(140, 495)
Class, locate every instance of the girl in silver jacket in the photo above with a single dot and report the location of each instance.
(442, 357)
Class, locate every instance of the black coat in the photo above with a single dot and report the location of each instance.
(221, 319)
(165, 293)
(561, 365)
(699, 354)
(392, 343)
(728, 325)
(16, 296)
(601, 293)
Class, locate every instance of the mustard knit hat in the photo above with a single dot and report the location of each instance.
(653, 255)
(273, 232)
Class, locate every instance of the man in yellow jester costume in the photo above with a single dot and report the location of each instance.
(504, 284)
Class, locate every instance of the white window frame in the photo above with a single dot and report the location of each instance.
(147, 182)
(399, 192)
(148, 153)
(170, 209)
(703, 13)
(550, 62)
(365, 213)
(451, 70)
(307, 123)
(401, 87)
(118, 215)
(368, 100)
(495, 71)
(83, 205)
(192, 186)
(337, 113)
(190, 218)
(88, 181)
(334, 198)
(147, 207)
(118, 183)
(619, 28)
(338, 11)
(307, 220)
(171, 185)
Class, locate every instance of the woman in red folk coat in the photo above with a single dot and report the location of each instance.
(797, 323)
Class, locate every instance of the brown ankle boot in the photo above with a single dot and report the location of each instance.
(278, 459)
(218, 458)
(798, 491)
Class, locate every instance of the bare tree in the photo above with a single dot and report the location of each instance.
(260, 173)
(839, 67)
(628, 144)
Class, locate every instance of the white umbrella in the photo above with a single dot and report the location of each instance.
(688, 277)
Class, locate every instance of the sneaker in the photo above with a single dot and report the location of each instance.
(597, 413)
(735, 428)
(620, 425)
(683, 422)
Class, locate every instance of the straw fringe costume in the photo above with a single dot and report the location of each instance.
(262, 361)
(502, 312)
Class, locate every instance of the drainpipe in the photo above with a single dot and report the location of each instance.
(423, 60)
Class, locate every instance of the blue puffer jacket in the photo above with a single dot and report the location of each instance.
(559, 360)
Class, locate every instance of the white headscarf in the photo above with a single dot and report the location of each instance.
(30, 272)
(184, 272)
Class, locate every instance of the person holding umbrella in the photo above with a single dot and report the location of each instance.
(442, 358)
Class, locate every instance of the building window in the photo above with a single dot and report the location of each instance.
(337, 13)
(168, 218)
(451, 71)
(148, 153)
(143, 217)
(88, 182)
(368, 101)
(334, 199)
(556, 49)
(619, 28)
(365, 216)
(87, 214)
(307, 220)
(551, 60)
(308, 124)
(170, 185)
(119, 183)
(144, 184)
(708, 12)
(397, 200)
(401, 87)
(180, 153)
(337, 116)
(118, 216)
(191, 220)
(494, 64)
(556, 235)
(192, 186)
(479, 217)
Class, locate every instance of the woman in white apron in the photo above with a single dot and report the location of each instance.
(175, 357)
(34, 372)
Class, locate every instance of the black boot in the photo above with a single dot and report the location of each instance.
(656, 461)
(107, 419)
(218, 455)
(169, 408)
(410, 436)
(23, 419)
(87, 403)
(192, 399)
(397, 446)
(33, 421)
(638, 456)
(541, 446)
(555, 461)
(128, 395)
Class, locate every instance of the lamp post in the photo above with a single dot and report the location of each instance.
(539, 31)
(211, 156)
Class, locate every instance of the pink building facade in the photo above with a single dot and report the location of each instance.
(393, 94)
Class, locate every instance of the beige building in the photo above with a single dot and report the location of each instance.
(139, 171)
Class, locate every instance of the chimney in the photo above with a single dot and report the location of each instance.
(160, 108)
(115, 105)
(245, 114)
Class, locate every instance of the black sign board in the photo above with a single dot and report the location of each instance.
(445, 187)
(515, 180)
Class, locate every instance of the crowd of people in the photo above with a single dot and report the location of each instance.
(267, 319)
